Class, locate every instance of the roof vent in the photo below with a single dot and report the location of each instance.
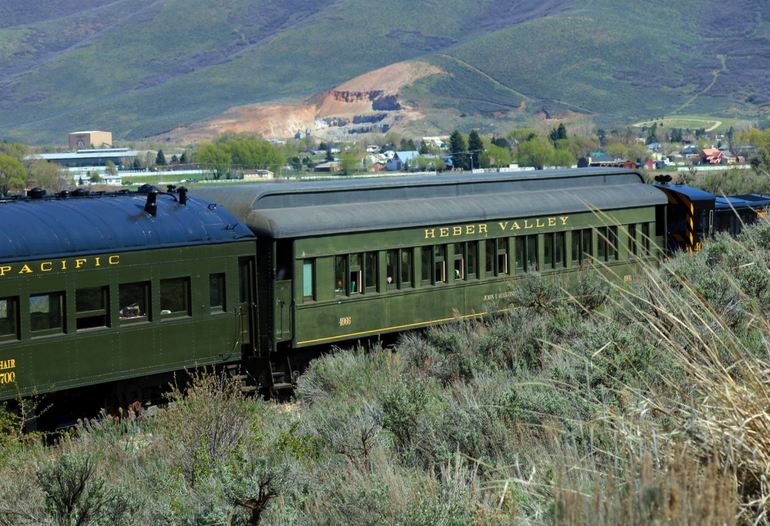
(36, 193)
(151, 206)
(64, 194)
(147, 189)
(182, 195)
(80, 192)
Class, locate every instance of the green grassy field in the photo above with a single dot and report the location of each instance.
(694, 122)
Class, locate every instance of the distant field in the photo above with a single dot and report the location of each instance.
(694, 122)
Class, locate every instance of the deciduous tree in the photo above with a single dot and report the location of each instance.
(50, 176)
(13, 176)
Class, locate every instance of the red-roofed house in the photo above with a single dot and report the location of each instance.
(712, 156)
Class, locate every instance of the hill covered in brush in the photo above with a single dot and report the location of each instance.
(141, 67)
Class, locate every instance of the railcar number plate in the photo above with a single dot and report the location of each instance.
(346, 321)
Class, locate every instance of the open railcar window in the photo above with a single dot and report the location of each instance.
(91, 310)
(133, 301)
(175, 297)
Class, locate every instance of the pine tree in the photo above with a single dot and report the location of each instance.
(183, 159)
(160, 159)
(475, 147)
(459, 151)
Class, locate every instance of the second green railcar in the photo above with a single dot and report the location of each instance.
(350, 259)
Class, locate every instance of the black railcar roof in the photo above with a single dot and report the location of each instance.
(302, 209)
(60, 227)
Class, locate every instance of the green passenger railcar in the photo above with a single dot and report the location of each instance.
(355, 258)
(97, 291)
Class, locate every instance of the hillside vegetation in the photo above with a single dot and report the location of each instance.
(638, 405)
(142, 67)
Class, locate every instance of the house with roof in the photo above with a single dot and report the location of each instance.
(713, 156)
(402, 160)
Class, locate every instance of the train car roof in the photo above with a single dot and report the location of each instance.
(692, 193)
(303, 209)
(738, 202)
(60, 227)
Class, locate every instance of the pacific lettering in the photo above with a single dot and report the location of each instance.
(81, 263)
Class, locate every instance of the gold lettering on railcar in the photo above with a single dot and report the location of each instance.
(82, 263)
(510, 225)
(7, 373)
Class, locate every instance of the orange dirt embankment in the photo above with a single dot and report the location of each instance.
(279, 121)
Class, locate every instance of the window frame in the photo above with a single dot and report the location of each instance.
(426, 267)
(375, 256)
(146, 317)
(459, 257)
(187, 311)
(439, 264)
(216, 309)
(633, 246)
(409, 253)
(12, 306)
(92, 314)
(49, 331)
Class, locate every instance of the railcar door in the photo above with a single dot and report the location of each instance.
(247, 302)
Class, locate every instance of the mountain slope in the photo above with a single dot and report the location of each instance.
(141, 67)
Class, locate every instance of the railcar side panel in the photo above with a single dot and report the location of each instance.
(113, 316)
(365, 284)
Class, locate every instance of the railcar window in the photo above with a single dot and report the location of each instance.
(520, 251)
(459, 261)
(308, 286)
(133, 299)
(91, 308)
(601, 243)
(391, 269)
(613, 243)
(406, 267)
(607, 241)
(9, 319)
(553, 251)
(340, 272)
(175, 297)
(559, 250)
(217, 292)
(489, 247)
(370, 272)
(426, 265)
(532, 255)
(47, 313)
(632, 246)
(356, 273)
(581, 246)
(645, 239)
(502, 256)
(548, 251)
(472, 258)
(439, 264)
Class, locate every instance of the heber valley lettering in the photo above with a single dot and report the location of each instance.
(58, 265)
(501, 226)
